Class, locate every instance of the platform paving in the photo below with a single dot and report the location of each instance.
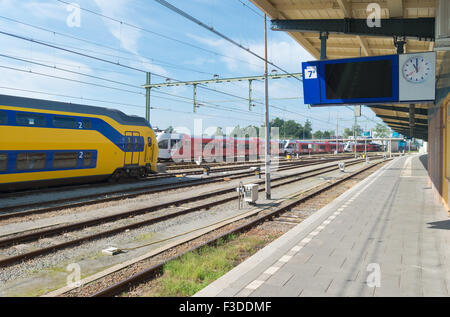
(386, 236)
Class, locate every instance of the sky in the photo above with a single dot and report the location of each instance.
(99, 57)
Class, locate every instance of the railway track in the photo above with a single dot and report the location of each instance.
(119, 282)
(220, 197)
(24, 209)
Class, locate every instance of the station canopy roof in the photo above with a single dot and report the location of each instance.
(340, 45)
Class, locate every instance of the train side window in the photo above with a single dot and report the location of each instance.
(65, 160)
(175, 144)
(65, 122)
(31, 161)
(136, 144)
(3, 162)
(85, 124)
(30, 119)
(87, 159)
(129, 144)
(3, 117)
(305, 147)
(164, 144)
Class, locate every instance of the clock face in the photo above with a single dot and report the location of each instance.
(417, 69)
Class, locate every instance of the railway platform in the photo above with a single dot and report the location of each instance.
(386, 236)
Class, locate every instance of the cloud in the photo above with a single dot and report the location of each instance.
(285, 53)
(45, 10)
(128, 37)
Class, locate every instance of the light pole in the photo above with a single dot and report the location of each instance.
(266, 80)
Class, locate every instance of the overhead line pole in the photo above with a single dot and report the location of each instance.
(147, 97)
(266, 79)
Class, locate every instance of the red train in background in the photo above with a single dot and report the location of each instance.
(181, 147)
(310, 147)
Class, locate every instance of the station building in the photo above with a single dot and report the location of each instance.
(334, 29)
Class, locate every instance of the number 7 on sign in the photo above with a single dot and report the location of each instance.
(311, 72)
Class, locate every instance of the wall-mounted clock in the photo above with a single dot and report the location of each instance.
(417, 69)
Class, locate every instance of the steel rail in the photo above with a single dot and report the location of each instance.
(146, 274)
(92, 222)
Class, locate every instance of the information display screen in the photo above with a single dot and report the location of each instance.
(365, 79)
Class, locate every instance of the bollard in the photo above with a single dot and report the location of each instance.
(206, 170)
(258, 172)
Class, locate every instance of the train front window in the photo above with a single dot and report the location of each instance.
(3, 117)
(65, 122)
(31, 161)
(30, 119)
(3, 162)
(164, 144)
(65, 160)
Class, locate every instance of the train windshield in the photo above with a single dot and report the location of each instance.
(164, 144)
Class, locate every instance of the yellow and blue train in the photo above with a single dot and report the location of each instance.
(44, 143)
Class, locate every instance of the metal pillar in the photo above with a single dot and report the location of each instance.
(354, 136)
(323, 45)
(337, 133)
(412, 119)
(266, 79)
(390, 148)
(147, 98)
(365, 141)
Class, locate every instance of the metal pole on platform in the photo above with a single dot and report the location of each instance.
(266, 80)
(390, 148)
(337, 133)
(354, 136)
(365, 142)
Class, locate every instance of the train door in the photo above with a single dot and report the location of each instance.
(132, 154)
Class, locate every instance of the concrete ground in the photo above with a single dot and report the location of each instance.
(387, 236)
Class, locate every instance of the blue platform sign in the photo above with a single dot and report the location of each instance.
(368, 80)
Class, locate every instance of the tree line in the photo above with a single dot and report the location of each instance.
(290, 129)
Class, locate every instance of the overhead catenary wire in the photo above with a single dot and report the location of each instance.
(211, 29)
(70, 79)
(116, 103)
(158, 61)
(157, 34)
(213, 90)
(106, 61)
(67, 70)
(111, 62)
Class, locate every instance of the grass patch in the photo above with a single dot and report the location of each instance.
(145, 236)
(195, 270)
